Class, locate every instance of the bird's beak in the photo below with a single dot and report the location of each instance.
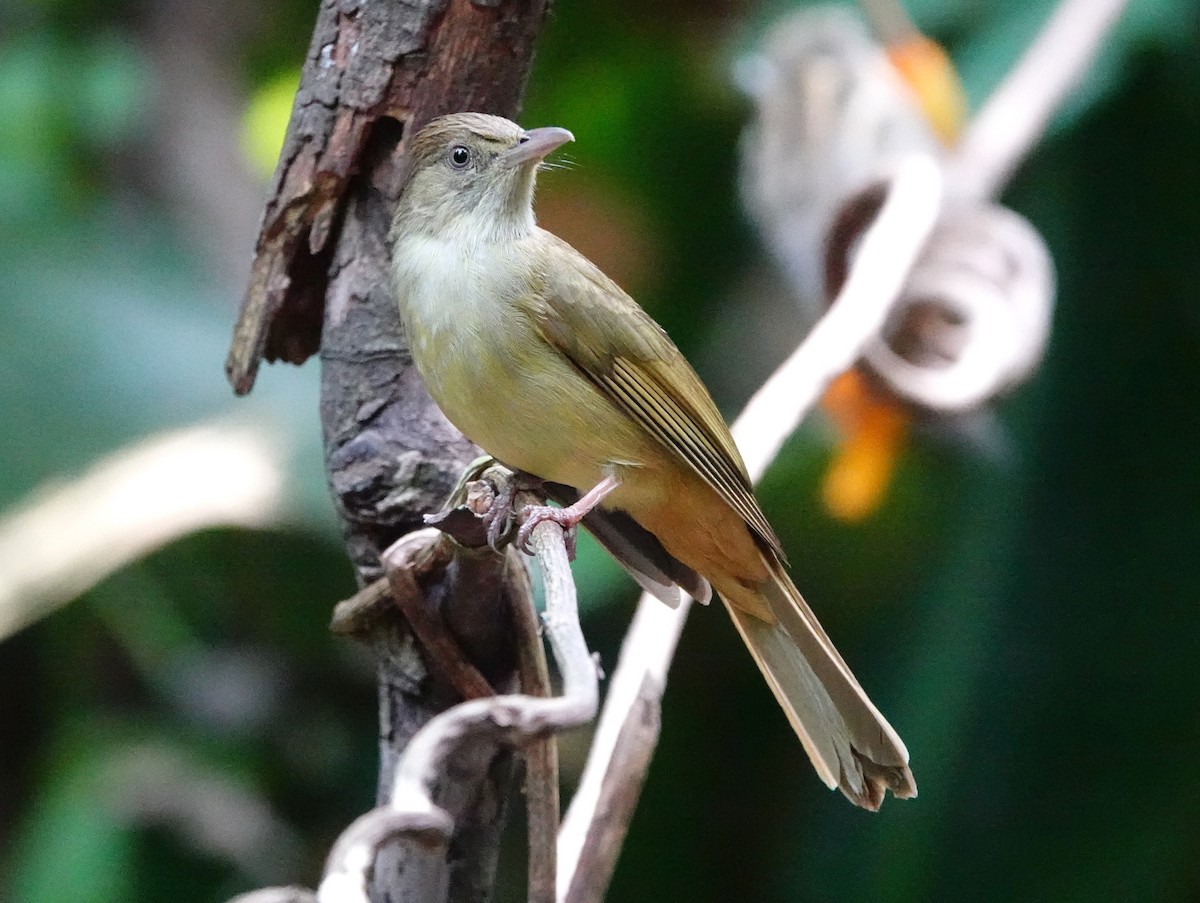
(534, 145)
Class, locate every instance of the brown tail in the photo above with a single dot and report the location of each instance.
(851, 745)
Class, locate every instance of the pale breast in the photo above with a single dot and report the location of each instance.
(491, 373)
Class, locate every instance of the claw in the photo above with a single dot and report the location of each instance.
(568, 518)
(532, 515)
(499, 519)
(502, 514)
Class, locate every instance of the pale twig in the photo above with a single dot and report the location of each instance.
(277, 895)
(68, 537)
(155, 785)
(889, 20)
(512, 719)
(1017, 112)
(541, 756)
(619, 794)
(889, 250)
(887, 253)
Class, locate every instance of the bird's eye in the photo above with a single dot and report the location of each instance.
(459, 156)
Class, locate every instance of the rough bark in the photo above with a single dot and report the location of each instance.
(376, 71)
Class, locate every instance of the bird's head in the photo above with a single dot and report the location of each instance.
(474, 172)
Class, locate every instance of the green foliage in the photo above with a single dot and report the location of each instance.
(72, 848)
(62, 101)
(265, 123)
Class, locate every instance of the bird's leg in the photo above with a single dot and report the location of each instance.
(567, 517)
(500, 516)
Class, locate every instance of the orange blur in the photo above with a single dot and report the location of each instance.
(927, 70)
(874, 427)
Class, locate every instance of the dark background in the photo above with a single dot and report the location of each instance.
(1026, 609)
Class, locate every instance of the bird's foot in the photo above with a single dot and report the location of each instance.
(501, 514)
(568, 518)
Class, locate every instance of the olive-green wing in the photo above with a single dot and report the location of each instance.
(628, 356)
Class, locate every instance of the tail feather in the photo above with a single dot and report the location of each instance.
(850, 743)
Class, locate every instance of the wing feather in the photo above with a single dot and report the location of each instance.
(628, 356)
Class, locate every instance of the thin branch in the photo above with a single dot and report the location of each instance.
(360, 612)
(1019, 110)
(541, 756)
(148, 785)
(408, 560)
(442, 651)
(513, 719)
(889, 20)
(619, 794)
(889, 250)
(277, 895)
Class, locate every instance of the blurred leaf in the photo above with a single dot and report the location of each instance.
(71, 848)
(115, 798)
(62, 102)
(266, 121)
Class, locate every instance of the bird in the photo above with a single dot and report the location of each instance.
(538, 357)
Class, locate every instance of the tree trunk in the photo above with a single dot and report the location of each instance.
(376, 72)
